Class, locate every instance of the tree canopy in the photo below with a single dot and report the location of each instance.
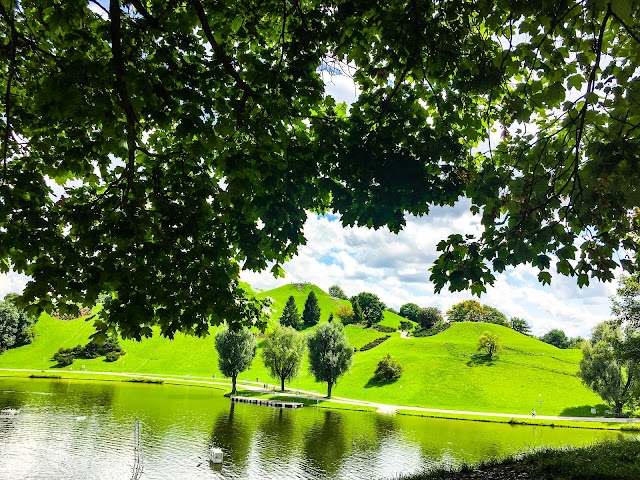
(189, 140)
(336, 291)
(371, 307)
(556, 337)
(330, 354)
(311, 312)
(410, 311)
(16, 327)
(290, 316)
(282, 352)
(236, 350)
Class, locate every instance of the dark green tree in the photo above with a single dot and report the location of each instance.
(556, 337)
(290, 316)
(282, 353)
(330, 354)
(429, 316)
(493, 315)
(371, 306)
(311, 312)
(336, 292)
(192, 138)
(236, 350)
(576, 342)
(410, 311)
(16, 327)
(520, 325)
(358, 314)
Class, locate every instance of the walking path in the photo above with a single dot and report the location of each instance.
(381, 407)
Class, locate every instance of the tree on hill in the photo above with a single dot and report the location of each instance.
(16, 327)
(611, 365)
(358, 314)
(236, 350)
(489, 343)
(330, 354)
(576, 342)
(346, 314)
(290, 316)
(493, 315)
(429, 316)
(388, 369)
(405, 326)
(336, 292)
(372, 308)
(556, 337)
(311, 312)
(520, 325)
(466, 311)
(282, 353)
(191, 139)
(410, 311)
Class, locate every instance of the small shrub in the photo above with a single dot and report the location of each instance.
(388, 369)
(113, 356)
(384, 328)
(375, 343)
(437, 328)
(64, 359)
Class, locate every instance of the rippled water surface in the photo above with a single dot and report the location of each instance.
(62, 429)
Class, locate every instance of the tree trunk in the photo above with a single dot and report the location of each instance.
(329, 384)
(619, 407)
(282, 384)
(233, 384)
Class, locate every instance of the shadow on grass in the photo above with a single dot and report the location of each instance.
(585, 411)
(376, 382)
(480, 359)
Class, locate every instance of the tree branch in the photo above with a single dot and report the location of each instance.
(219, 52)
(121, 87)
(7, 96)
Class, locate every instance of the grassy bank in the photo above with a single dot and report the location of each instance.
(443, 371)
(618, 460)
(624, 427)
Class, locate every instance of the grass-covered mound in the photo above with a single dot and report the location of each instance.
(442, 371)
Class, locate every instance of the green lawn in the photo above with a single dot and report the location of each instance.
(443, 371)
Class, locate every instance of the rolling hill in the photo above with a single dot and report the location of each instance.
(443, 371)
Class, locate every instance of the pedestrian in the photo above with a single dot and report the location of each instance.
(533, 413)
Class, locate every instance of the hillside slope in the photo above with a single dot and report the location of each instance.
(443, 371)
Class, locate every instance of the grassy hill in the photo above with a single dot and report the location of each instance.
(443, 371)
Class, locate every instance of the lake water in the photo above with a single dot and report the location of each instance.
(66, 429)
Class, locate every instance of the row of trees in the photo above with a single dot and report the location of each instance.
(310, 315)
(465, 311)
(330, 354)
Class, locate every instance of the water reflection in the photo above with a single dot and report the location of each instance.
(75, 430)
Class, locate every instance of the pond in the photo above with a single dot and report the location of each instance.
(66, 429)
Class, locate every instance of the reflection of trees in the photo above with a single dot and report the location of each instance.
(326, 445)
(233, 436)
(279, 432)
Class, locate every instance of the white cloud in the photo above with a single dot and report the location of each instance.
(396, 267)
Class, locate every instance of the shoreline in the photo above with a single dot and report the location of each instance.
(248, 389)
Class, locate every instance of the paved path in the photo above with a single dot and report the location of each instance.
(380, 407)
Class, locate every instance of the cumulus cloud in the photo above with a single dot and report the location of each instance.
(396, 267)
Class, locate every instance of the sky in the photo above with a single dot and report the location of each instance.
(396, 266)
